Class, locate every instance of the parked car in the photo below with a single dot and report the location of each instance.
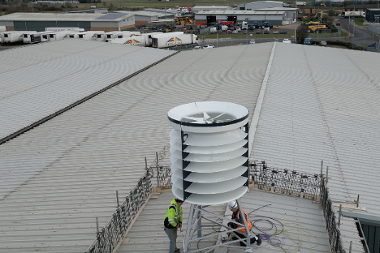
(235, 31)
(323, 43)
(197, 47)
(208, 46)
(287, 41)
(258, 31)
(252, 41)
(283, 32)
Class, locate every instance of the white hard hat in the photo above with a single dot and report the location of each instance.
(232, 204)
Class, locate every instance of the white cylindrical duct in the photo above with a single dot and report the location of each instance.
(209, 152)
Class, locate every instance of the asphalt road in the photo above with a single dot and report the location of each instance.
(356, 35)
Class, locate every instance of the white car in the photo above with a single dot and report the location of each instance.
(208, 46)
(286, 41)
(252, 41)
(197, 47)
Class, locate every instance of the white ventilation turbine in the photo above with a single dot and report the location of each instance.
(209, 152)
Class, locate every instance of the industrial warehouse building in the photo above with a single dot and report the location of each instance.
(277, 16)
(148, 16)
(76, 125)
(259, 5)
(22, 21)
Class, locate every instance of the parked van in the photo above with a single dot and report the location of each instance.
(307, 41)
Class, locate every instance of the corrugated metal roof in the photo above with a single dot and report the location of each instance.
(319, 104)
(112, 16)
(25, 16)
(324, 106)
(74, 163)
(39, 80)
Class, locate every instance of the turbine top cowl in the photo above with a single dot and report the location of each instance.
(208, 114)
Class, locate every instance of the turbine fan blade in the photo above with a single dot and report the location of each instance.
(218, 116)
(206, 116)
(198, 120)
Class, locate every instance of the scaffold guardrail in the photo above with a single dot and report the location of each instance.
(109, 237)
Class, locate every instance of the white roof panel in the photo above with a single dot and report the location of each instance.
(40, 80)
(31, 16)
(324, 106)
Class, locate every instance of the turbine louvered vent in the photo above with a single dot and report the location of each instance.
(209, 152)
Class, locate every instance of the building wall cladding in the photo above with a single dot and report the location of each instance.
(273, 19)
(41, 25)
(141, 23)
(111, 29)
(373, 15)
(372, 234)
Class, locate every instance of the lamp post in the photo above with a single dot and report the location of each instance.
(246, 34)
(217, 38)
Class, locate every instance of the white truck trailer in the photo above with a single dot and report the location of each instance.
(14, 36)
(132, 41)
(89, 35)
(120, 34)
(34, 37)
(159, 41)
(55, 36)
(62, 29)
(72, 35)
(354, 14)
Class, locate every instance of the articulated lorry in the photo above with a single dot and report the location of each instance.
(353, 14)
(160, 41)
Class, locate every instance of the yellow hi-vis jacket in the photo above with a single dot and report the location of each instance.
(173, 215)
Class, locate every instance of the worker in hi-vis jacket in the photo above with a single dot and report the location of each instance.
(173, 221)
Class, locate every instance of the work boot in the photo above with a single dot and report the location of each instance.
(258, 240)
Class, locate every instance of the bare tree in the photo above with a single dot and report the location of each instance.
(302, 33)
